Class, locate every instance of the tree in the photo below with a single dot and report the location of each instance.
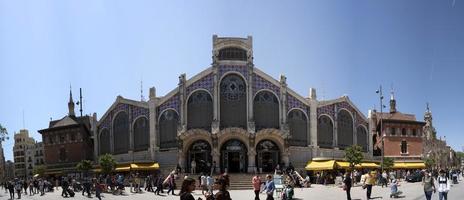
(107, 163)
(429, 163)
(39, 169)
(84, 166)
(3, 134)
(354, 155)
(387, 163)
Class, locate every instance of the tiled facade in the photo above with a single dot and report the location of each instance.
(219, 137)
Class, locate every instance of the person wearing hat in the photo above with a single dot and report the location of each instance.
(443, 186)
(429, 185)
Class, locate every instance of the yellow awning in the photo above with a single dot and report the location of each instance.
(369, 165)
(123, 168)
(409, 165)
(320, 165)
(144, 166)
(364, 165)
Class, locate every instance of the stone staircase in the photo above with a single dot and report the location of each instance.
(237, 181)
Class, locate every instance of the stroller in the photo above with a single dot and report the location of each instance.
(455, 178)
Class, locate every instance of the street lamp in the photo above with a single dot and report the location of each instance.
(379, 91)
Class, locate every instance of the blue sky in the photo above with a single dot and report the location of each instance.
(338, 47)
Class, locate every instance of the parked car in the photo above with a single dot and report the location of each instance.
(415, 177)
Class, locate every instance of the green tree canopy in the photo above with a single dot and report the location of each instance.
(40, 169)
(107, 163)
(387, 163)
(429, 163)
(353, 155)
(84, 166)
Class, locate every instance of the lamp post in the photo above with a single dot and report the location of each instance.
(382, 135)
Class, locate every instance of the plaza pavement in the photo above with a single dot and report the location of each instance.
(412, 191)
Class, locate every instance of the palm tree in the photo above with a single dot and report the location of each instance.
(3, 134)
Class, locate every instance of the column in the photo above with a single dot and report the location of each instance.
(96, 138)
(215, 124)
(335, 139)
(153, 121)
(251, 160)
(313, 123)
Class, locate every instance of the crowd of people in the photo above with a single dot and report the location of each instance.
(432, 181)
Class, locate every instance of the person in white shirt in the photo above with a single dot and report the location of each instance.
(203, 184)
(443, 186)
(194, 166)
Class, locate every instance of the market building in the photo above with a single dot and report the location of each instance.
(230, 117)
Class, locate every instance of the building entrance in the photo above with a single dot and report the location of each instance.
(233, 157)
(268, 155)
(200, 151)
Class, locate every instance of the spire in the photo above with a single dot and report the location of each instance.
(71, 104)
(392, 102)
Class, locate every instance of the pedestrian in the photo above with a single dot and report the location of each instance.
(10, 187)
(209, 184)
(256, 181)
(347, 181)
(18, 187)
(443, 186)
(25, 185)
(31, 188)
(429, 185)
(384, 179)
(222, 194)
(369, 181)
(269, 188)
(394, 189)
(171, 183)
(41, 187)
(159, 185)
(98, 188)
(188, 185)
(193, 165)
(203, 184)
(64, 187)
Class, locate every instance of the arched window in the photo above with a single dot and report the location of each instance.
(233, 102)
(344, 129)
(266, 110)
(403, 132)
(393, 131)
(104, 142)
(362, 137)
(414, 133)
(324, 132)
(121, 133)
(298, 125)
(404, 147)
(141, 134)
(168, 128)
(200, 111)
(232, 53)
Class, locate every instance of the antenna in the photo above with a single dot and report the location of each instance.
(80, 102)
(141, 91)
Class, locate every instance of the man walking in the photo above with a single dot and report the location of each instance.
(347, 185)
(270, 187)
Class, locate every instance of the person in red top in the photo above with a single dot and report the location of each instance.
(256, 181)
